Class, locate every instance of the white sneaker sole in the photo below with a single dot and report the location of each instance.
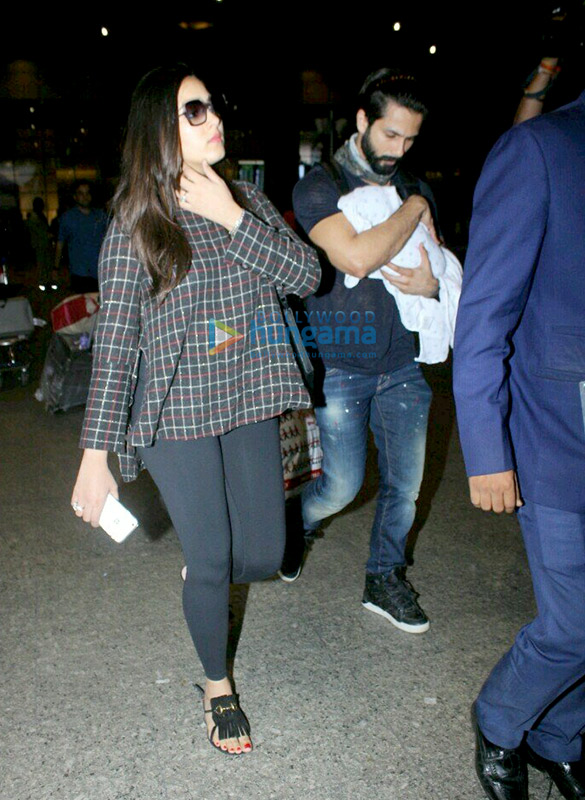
(403, 626)
(289, 578)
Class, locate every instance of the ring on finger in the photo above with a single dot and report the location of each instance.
(75, 506)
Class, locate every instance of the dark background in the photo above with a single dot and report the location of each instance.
(258, 52)
(285, 69)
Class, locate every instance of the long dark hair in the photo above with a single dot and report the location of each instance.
(145, 202)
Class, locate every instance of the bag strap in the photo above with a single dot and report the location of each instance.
(300, 352)
(337, 175)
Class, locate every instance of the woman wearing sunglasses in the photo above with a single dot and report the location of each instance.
(192, 363)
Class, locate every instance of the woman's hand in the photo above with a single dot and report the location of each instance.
(94, 483)
(209, 196)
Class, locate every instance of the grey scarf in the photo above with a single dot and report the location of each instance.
(349, 157)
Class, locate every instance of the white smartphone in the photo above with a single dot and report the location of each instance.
(116, 520)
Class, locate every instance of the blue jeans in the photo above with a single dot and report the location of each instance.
(539, 685)
(396, 407)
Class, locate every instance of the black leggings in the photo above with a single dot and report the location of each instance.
(225, 497)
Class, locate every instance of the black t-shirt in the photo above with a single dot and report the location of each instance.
(356, 329)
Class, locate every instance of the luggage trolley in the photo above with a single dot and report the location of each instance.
(16, 327)
(67, 369)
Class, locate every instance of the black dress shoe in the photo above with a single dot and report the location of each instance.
(502, 773)
(569, 776)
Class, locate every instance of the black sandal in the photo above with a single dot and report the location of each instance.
(230, 721)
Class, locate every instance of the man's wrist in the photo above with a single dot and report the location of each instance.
(418, 202)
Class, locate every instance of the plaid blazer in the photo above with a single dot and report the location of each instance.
(216, 349)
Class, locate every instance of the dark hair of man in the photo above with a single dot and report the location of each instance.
(145, 202)
(78, 184)
(390, 84)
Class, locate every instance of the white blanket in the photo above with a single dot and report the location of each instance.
(433, 321)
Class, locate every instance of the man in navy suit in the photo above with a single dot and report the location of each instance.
(519, 377)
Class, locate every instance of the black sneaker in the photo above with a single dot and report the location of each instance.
(292, 575)
(393, 597)
(295, 550)
(293, 561)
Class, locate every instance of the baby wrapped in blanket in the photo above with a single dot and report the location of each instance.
(434, 321)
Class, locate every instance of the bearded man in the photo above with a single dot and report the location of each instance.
(370, 373)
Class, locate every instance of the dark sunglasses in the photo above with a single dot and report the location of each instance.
(196, 111)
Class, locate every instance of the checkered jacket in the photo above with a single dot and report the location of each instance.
(198, 383)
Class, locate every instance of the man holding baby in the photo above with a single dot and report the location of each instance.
(371, 377)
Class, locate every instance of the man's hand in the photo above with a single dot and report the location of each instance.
(419, 280)
(358, 254)
(497, 492)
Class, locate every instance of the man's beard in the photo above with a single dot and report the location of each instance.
(381, 165)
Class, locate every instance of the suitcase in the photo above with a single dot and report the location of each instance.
(76, 314)
(66, 374)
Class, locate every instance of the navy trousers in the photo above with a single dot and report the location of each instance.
(538, 688)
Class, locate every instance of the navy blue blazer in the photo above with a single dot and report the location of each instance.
(519, 355)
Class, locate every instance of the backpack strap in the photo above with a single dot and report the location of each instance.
(337, 175)
(406, 184)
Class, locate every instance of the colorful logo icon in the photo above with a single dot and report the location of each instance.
(221, 336)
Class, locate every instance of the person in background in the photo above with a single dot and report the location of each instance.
(561, 39)
(81, 231)
(40, 241)
(536, 89)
